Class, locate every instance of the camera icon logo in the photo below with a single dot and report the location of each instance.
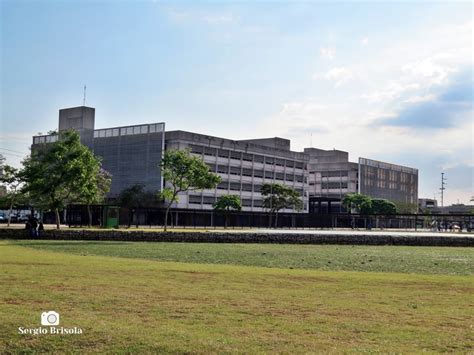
(50, 318)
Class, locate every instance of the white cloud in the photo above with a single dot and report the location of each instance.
(364, 41)
(327, 53)
(427, 68)
(340, 76)
(391, 91)
(418, 99)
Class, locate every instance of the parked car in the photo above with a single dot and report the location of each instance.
(23, 218)
(3, 218)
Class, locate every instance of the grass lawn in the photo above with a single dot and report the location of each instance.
(135, 304)
(406, 259)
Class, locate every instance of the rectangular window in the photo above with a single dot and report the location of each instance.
(235, 155)
(268, 174)
(195, 199)
(246, 203)
(258, 173)
(235, 186)
(208, 200)
(209, 151)
(223, 185)
(196, 149)
(234, 170)
(257, 203)
(212, 167)
(223, 153)
(247, 187)
(223, 169)
(247, 157)
(246, 172)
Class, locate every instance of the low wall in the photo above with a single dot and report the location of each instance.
(244, 237)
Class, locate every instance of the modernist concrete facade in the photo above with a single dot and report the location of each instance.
(132, 155)
(244, 166)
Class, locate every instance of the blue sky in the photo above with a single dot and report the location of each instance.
(388, 81)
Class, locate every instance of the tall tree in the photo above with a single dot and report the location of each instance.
(136, 197)
(360, 202)
(226, 204)
(183, 172)
(382, 206)
(55, 173)
(94, 186)
(277, 197)
(10, 178)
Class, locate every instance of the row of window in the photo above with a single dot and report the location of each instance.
(210, 200)
(334, 185)
(387, 166)
(237, 170)
(237, 186)
(334, 173)
(45, 139)
(127, 131)
(225, 153)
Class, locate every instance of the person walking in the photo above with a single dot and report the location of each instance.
(40, 228)
(34, 227)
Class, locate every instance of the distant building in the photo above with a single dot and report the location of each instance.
(457, 208)
(425, 204)
(332, 175)
(132, 154)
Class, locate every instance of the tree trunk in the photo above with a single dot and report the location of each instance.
(166, 217)
(89, 215)
(226, 220)
(58, 221)
(276, 219)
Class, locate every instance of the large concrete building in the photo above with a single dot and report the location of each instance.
(132, 155)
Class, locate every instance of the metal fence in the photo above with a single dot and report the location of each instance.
(76, 215)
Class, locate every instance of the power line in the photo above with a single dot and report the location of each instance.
(14, 151)
(15, 155)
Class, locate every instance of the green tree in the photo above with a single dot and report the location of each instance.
(406, 207)
(277, 197)
(55, 173)
(360, 202)
(135, 197)
(95, 186)
(226, 204)
(382, 206)
(183, 172)
(11, 179)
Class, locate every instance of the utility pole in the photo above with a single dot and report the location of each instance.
(84, 97)
(442, 188)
